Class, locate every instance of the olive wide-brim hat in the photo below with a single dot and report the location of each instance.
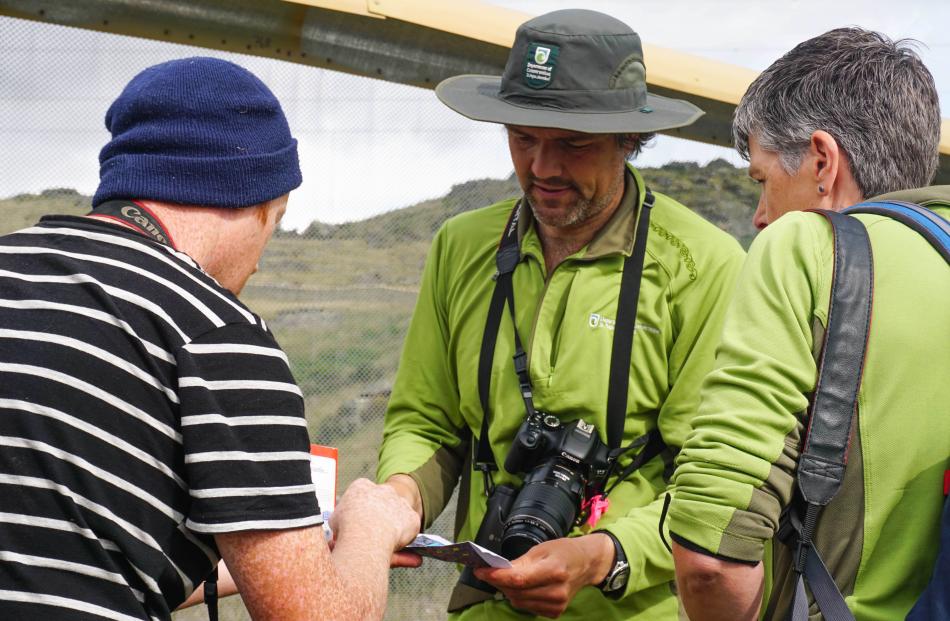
(574, 69)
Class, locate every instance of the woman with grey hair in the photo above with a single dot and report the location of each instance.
(844, 116)
(849, 96)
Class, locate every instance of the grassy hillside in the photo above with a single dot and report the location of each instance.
(24, 210)
(419, 222)
(720, 192)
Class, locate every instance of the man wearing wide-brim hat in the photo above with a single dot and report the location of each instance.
(561, 328)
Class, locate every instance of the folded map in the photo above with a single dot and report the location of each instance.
(467, 552)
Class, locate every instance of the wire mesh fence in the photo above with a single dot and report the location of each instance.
(337, 296)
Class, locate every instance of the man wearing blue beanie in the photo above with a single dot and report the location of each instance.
(149, 421)
(197, 131)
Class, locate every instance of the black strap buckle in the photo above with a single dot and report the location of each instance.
(486, 469)
(790, 534)
(521, 363)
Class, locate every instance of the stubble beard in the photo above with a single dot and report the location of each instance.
(581, 211)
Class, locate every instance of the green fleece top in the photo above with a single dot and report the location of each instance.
(879, 535)
(565, 320)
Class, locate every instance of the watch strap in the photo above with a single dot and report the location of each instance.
(619, 566)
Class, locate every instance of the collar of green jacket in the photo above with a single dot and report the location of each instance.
(616, 236)
(933, 196)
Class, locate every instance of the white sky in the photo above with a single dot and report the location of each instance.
(368, 146)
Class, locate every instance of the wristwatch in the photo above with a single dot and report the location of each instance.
(616, 581)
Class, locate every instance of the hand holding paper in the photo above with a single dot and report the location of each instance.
(467, 552)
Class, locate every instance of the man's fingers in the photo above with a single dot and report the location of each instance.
(556, 595)
(501, 578)
(514, 578)
(405, 559)
(543, 607)
(538, 582)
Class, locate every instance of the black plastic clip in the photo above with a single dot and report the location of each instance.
(790, 534)
(521, 363)
(486, 470)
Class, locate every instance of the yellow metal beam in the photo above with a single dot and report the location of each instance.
(689, 74)
(473, 19)
(355, 7)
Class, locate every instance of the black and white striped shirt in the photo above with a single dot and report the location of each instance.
(143, 408)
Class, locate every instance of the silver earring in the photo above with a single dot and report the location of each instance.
(821, 189)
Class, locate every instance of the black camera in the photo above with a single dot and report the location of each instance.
(561, 462)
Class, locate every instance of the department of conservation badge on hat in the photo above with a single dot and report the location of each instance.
(539, 64)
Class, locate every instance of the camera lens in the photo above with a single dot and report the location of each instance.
(544, 510)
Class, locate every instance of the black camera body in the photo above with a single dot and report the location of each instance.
(542, 435)
(561, 462)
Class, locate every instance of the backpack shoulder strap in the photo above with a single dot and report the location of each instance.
(825, 454)
(931, 226)
(831, 419)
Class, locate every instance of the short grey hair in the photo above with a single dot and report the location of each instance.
(873, 95)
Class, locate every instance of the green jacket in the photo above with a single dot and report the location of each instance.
(565, 320)
(879, 535)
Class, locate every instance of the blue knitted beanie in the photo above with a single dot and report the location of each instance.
(197, 131)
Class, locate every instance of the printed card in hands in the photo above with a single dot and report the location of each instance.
(467, 552)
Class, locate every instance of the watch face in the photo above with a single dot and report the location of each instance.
(619, 579)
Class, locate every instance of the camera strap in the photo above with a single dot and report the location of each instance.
(507, 259)
(624, 327)
(211, 594)
(136, 216)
